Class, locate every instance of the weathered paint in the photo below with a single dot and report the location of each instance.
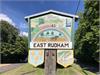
(46, 27)
(36, 57)
(65, 57)
(59, 23)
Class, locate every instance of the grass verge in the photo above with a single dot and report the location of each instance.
(28, 69)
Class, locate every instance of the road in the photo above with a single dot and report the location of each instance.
(7, 67)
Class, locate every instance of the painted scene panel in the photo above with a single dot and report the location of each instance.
(65, 57)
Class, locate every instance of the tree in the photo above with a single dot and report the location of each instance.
(8, 32)
(87, 34)
(13, 47)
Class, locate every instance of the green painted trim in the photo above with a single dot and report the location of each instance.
(72, 33)
(29, 32)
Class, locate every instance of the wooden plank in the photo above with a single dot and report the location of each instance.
(50, 62)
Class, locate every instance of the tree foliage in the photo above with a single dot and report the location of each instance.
(87, 34)
(13, 47)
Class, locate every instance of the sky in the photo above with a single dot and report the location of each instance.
(14, 11)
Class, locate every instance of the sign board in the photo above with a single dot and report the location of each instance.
(36, 57)
(51, 30)
(65, 57)
(51, 45)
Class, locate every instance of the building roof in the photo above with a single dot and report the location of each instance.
(54, 12)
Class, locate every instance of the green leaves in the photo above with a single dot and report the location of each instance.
(8, 32)
(87, 34)
(13, 47)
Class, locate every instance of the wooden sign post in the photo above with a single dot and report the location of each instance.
(50, 61)
(51, 39)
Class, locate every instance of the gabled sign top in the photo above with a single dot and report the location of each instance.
(54, 12)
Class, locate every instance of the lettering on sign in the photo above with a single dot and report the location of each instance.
(51, 45)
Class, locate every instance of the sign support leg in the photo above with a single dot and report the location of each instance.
(50, 61)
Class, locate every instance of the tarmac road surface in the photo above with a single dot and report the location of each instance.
(7, 67)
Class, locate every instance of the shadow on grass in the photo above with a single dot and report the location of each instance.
(41, 66)
(29, 72)
(91, 66)
(58, 66)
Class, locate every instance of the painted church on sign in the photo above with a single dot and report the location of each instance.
(51, 30)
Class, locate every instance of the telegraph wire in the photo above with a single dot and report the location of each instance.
(77, 7)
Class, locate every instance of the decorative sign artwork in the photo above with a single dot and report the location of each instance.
(65, 57)
(51, 30)
(51, 45)
(36, 57)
